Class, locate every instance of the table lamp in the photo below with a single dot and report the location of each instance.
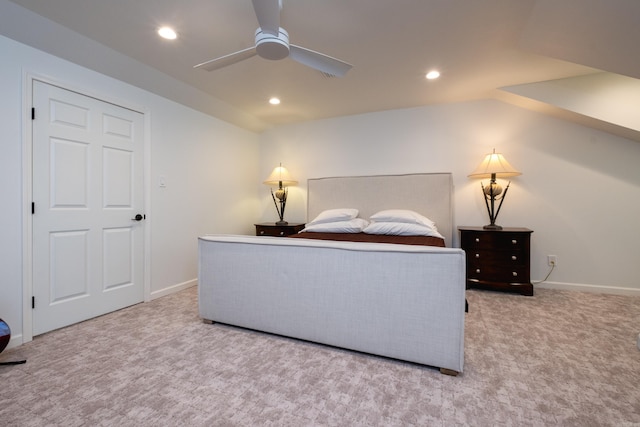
(494, 166)
(282, 178)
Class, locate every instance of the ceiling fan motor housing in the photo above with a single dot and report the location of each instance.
(269, 46)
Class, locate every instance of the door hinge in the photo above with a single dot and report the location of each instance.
(33, 302)
(33, 208)
(33, 113)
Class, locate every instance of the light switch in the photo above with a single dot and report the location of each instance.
(162, 181)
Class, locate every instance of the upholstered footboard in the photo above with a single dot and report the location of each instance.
(403, 302)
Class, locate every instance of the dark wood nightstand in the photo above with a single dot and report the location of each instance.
(271, 229)
(498, 260)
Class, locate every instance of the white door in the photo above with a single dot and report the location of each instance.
(88, 248)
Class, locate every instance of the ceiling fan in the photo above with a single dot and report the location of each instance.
(272, 42)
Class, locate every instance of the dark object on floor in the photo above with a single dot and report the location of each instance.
(5, 336)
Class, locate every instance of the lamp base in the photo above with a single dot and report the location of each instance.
(492, 227)
(282, 223)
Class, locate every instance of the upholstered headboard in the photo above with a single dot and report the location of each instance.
(430, 194)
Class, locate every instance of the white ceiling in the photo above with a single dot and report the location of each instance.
(479, 46)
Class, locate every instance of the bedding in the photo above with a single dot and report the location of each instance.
(401, 229)
(373, 238)
(334, 215)
(355, 225)
(403, 216)
(392, 222)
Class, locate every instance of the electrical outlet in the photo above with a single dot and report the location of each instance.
(552, 260)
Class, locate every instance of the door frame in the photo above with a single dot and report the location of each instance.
(27, 187)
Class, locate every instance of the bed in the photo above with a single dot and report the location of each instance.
(402, 301)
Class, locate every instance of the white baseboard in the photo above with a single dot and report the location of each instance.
(173, 289)
(614, 290)
(15, 341)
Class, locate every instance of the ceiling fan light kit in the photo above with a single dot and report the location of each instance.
(272, 42)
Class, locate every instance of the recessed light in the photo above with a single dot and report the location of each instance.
(431, 75)
(274, 101)
(167, 33)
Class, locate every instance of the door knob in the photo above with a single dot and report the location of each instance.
(138, 217)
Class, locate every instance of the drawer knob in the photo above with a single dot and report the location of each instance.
(261, 231)
(515, 274)
(477, 270)
(477, 255)
(282, 233)
(513, 257)
(514, 241)
(477, 240)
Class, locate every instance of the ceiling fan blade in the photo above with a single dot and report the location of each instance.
(319, 61)
(223, 61)
(268, 14)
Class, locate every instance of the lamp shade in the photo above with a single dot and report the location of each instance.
(494, 163)
(280, 175)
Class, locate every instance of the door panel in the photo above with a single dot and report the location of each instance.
(87, 186)
(118, 244)
(118, 165)
(69, 267)
(69, 186)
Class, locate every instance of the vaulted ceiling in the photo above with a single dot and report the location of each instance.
(483, 49)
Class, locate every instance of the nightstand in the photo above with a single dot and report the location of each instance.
(271, 229)
(498, 260)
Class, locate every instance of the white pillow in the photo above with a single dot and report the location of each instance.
(335, 215)
(402, 215)
(401, 229)
(355, 225)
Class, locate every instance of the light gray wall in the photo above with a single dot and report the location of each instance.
(210, 166)
(579, 189)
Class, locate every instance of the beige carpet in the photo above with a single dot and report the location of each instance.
(558, 358)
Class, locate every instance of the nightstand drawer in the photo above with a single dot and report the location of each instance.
(271, 229)
(515, 257)
(493, 241)
(519, 274)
